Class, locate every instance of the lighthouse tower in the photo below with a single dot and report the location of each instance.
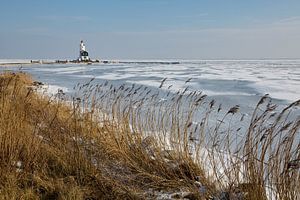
(83, 54)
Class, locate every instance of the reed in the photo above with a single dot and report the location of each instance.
(132, 142)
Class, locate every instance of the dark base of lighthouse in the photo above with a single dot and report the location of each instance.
(84, 56)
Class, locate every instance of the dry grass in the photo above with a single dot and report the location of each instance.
(119, 142)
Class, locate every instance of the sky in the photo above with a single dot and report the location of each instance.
(150, 29)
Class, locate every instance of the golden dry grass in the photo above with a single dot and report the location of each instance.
(120, 143)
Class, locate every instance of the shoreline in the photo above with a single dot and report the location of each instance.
(128, 61)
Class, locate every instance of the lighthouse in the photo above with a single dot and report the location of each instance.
(83, 54)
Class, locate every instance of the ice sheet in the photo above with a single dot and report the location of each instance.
(278, 78)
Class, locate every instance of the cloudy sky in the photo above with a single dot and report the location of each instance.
(150, 29)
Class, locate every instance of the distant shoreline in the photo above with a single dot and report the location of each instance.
(88, 62)
(15, 62)
(45, 61)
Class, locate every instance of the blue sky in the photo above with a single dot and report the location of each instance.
(149, 29)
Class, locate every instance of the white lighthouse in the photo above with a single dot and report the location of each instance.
(83, 54)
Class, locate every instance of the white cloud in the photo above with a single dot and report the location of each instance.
(289, 20)
(65, 18)
(194, 16)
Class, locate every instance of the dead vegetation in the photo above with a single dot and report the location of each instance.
(120, 142)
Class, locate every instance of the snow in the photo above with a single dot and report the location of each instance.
(12, 61)
(51, 89)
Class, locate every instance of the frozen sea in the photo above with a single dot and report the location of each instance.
(232, 82)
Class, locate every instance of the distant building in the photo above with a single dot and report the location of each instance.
(83, 54)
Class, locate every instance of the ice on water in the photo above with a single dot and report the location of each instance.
(230, 81)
